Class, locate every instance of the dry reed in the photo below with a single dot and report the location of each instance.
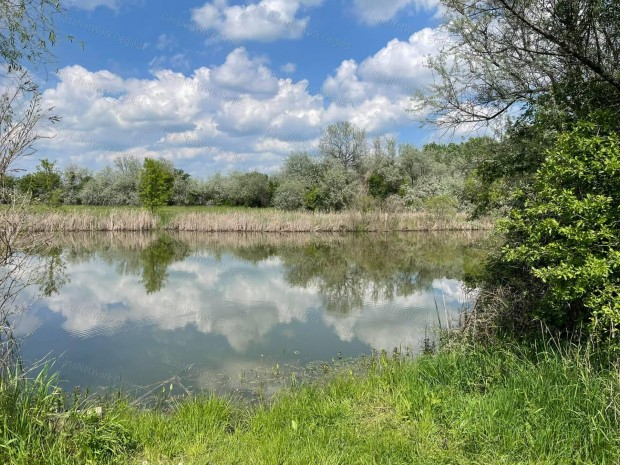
(113, 220)
(281, 221)
(251, 221)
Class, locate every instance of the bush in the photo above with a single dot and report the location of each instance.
(561, 259)
(290, 195)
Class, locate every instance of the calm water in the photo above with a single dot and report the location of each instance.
(222, 311)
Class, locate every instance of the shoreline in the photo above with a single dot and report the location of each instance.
(503, 404)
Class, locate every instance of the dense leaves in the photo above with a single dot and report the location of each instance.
(156, 184)
(562, 252)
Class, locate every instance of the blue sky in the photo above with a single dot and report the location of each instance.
(221, 85)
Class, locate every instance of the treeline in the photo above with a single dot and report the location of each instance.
(346, 174)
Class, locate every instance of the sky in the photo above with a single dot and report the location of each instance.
(218, 85)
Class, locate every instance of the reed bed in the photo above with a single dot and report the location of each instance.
(246, 221)
(200, 241)
(281, 221)
(111, 220)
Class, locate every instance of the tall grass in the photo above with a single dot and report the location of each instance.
(206, 219)
(297, 221)
(40, 425)
(468, 405)
(86, 220)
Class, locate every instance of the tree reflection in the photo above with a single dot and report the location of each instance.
(346, 270)
(157, 257)
(51, 275)
(375, 268)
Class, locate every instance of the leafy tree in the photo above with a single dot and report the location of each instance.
(413, 163)
(116, 185)
(74, 178)
(336, 191)
(44, 185)
(513, 55)
(156, 184)
(561, 261)
(345, 143)
(290, 195)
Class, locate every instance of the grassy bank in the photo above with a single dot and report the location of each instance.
(207, 219)
(499, 405)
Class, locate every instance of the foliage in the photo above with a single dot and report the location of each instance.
(345, 143)
(44, 185)
(513, 55)
(562, 257)
(74, 178)
(290, 195)
(156, 184)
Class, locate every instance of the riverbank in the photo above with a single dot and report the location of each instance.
(502, 404)
(207, 219)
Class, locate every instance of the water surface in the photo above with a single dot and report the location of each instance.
(219, 311)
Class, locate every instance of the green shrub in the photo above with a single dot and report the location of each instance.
(561, 259)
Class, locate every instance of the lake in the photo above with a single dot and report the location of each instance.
(234, 312)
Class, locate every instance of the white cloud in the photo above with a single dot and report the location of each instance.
(91, 4)
(265, 21)
(376, 93)
(245, 75)
(289, 68)
(165, 42)
(373, 11)
(235, 115)
(403, 64)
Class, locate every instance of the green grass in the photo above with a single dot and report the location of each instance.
(496, 405)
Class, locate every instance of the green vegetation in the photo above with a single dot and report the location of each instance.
(560, 261)
(346, 175)
(156, 184)
(552, 170)
(467, 405)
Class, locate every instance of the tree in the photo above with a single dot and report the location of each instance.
(116, 185)
(561, 260)
(26, 37)
(345, 143)
(44, 185)
(156, 184)
(412, 163)
(74, 178)
(507, 56)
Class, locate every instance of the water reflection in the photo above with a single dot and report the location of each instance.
(144, 306)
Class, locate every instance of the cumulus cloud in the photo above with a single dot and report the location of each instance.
(265, 21)
(376, 93)
(235, 115)
(373, 11)
(91, 4)
(289, 68)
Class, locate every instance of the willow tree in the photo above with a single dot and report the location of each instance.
(27, 35)
(503, 57)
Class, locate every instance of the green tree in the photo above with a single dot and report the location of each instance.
(74, 178)
(156, 184)
(44, 185)
(561, 260)
(514, 55)
(413, 163)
